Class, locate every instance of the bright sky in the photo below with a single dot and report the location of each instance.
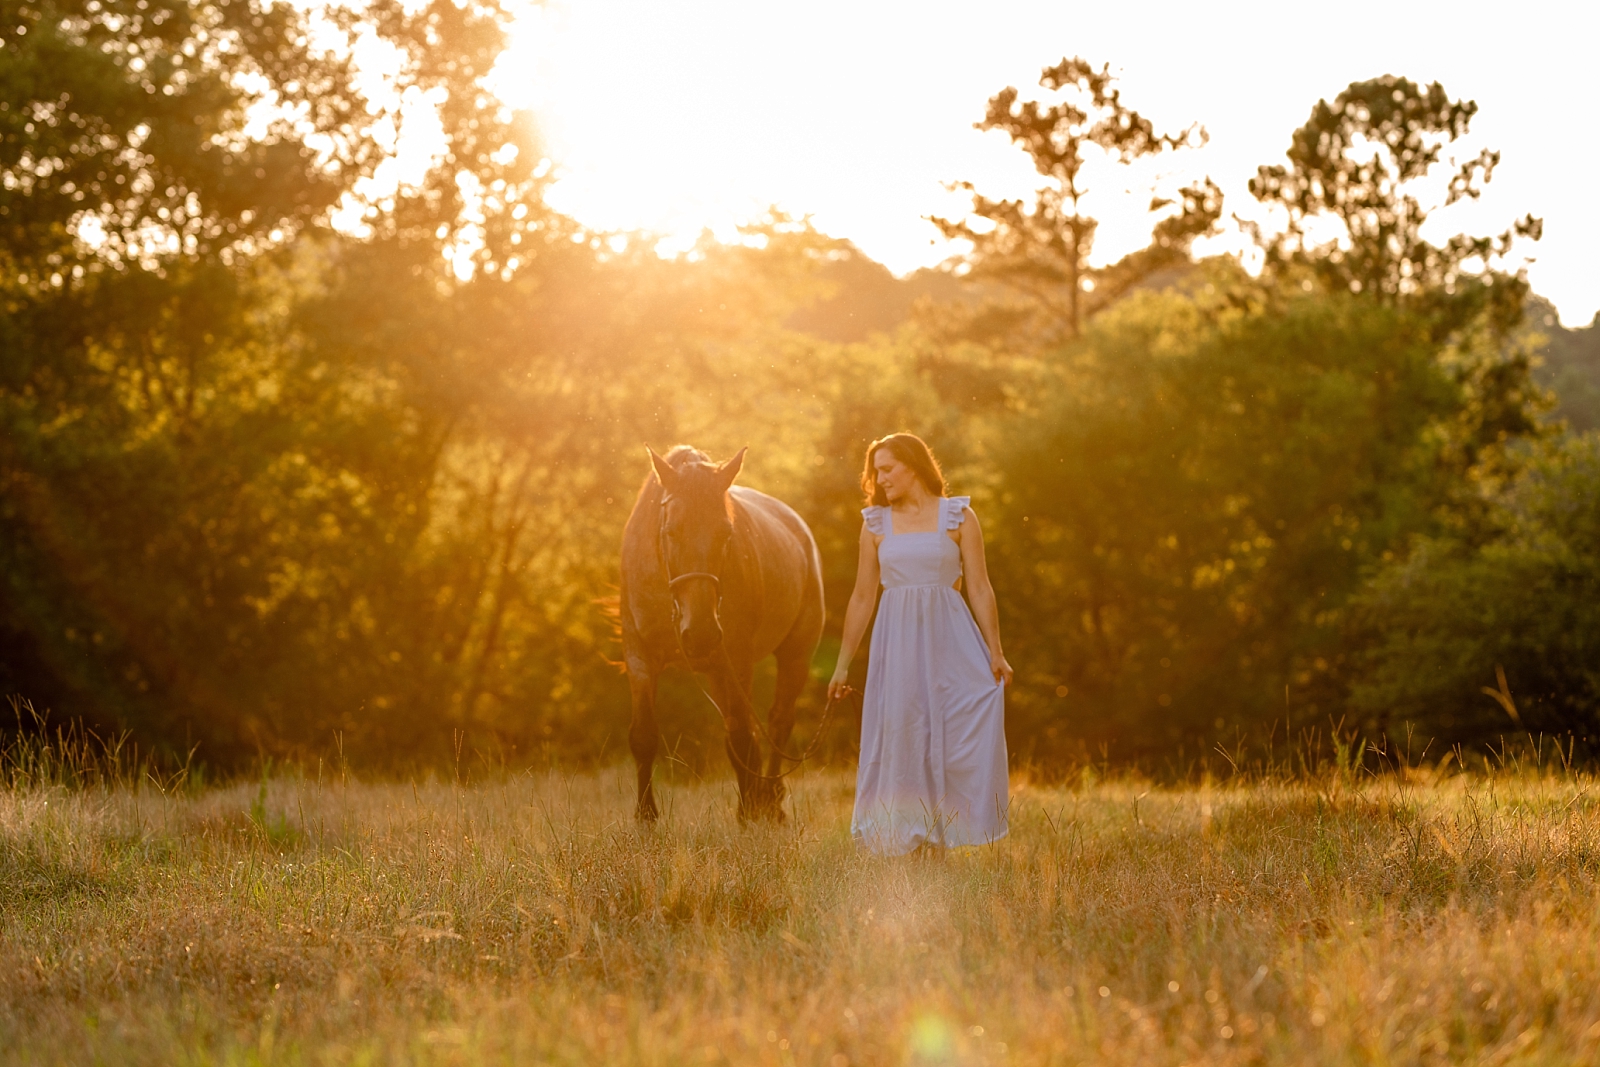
(675, 116)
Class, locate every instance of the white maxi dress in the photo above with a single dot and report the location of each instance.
(933, 744)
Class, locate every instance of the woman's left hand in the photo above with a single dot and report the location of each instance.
(1000, 668)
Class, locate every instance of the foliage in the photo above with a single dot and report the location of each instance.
(172, 465)
(127, 136)
(1522, 602)
(1568, 364)
(859, 297)
(1181, 566)
(137, 187)
(1042, 252)
(1357, 164)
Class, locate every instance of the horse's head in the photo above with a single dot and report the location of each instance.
(696, 529)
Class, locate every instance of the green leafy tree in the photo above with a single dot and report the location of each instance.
(1568, 363)
(1199, 495)
(1472, 640)
(1356, 168)
(129, 190)
(123, 134)
(1042, 250)
(1351, 195)
(188, 488)
(1184, 514)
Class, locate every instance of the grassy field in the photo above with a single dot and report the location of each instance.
(1399, 920)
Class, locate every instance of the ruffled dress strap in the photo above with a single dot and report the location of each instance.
(955, 511)
(875, 519)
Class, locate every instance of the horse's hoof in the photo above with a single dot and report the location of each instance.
(773, 803)
(762, 811)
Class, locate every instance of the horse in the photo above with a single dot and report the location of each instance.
(714, 578)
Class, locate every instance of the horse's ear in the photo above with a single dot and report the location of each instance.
(665, 474)
(730, 470)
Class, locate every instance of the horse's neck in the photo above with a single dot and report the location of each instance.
(746, 509)
(752, 525)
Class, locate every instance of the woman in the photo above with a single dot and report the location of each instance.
(933, 746)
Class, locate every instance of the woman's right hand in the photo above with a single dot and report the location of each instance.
(838, 685)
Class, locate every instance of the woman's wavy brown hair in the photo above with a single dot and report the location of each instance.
(911, 450)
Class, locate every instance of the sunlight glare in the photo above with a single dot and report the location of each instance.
(682, 118)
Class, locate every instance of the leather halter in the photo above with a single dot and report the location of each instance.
(673, 582)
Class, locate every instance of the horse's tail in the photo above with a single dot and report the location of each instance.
(611, 610)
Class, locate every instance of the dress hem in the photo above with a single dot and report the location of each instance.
(861, 844)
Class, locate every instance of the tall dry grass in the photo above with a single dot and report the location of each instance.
(1405, 919)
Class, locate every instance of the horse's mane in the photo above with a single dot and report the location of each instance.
(680, 456)
(687, 460)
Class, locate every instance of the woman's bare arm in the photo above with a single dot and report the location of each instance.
(863, 601)
(980, 592)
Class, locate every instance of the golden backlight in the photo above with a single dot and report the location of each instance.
(674, 118)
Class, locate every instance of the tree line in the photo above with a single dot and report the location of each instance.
(269, 486)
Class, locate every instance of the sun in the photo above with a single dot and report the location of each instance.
(678, 119)
(642, 128)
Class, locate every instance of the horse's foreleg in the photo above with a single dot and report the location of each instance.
(744, 750)
(794, 670)
(644, 736)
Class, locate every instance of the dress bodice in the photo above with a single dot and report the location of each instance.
(918, 559)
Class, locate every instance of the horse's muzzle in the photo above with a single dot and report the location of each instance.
(699, 636)
(695, 599)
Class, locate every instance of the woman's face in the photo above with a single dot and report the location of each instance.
(894, 477)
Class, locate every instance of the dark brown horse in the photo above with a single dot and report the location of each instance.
(714, 578)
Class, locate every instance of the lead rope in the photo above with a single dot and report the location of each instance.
(810, 750)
